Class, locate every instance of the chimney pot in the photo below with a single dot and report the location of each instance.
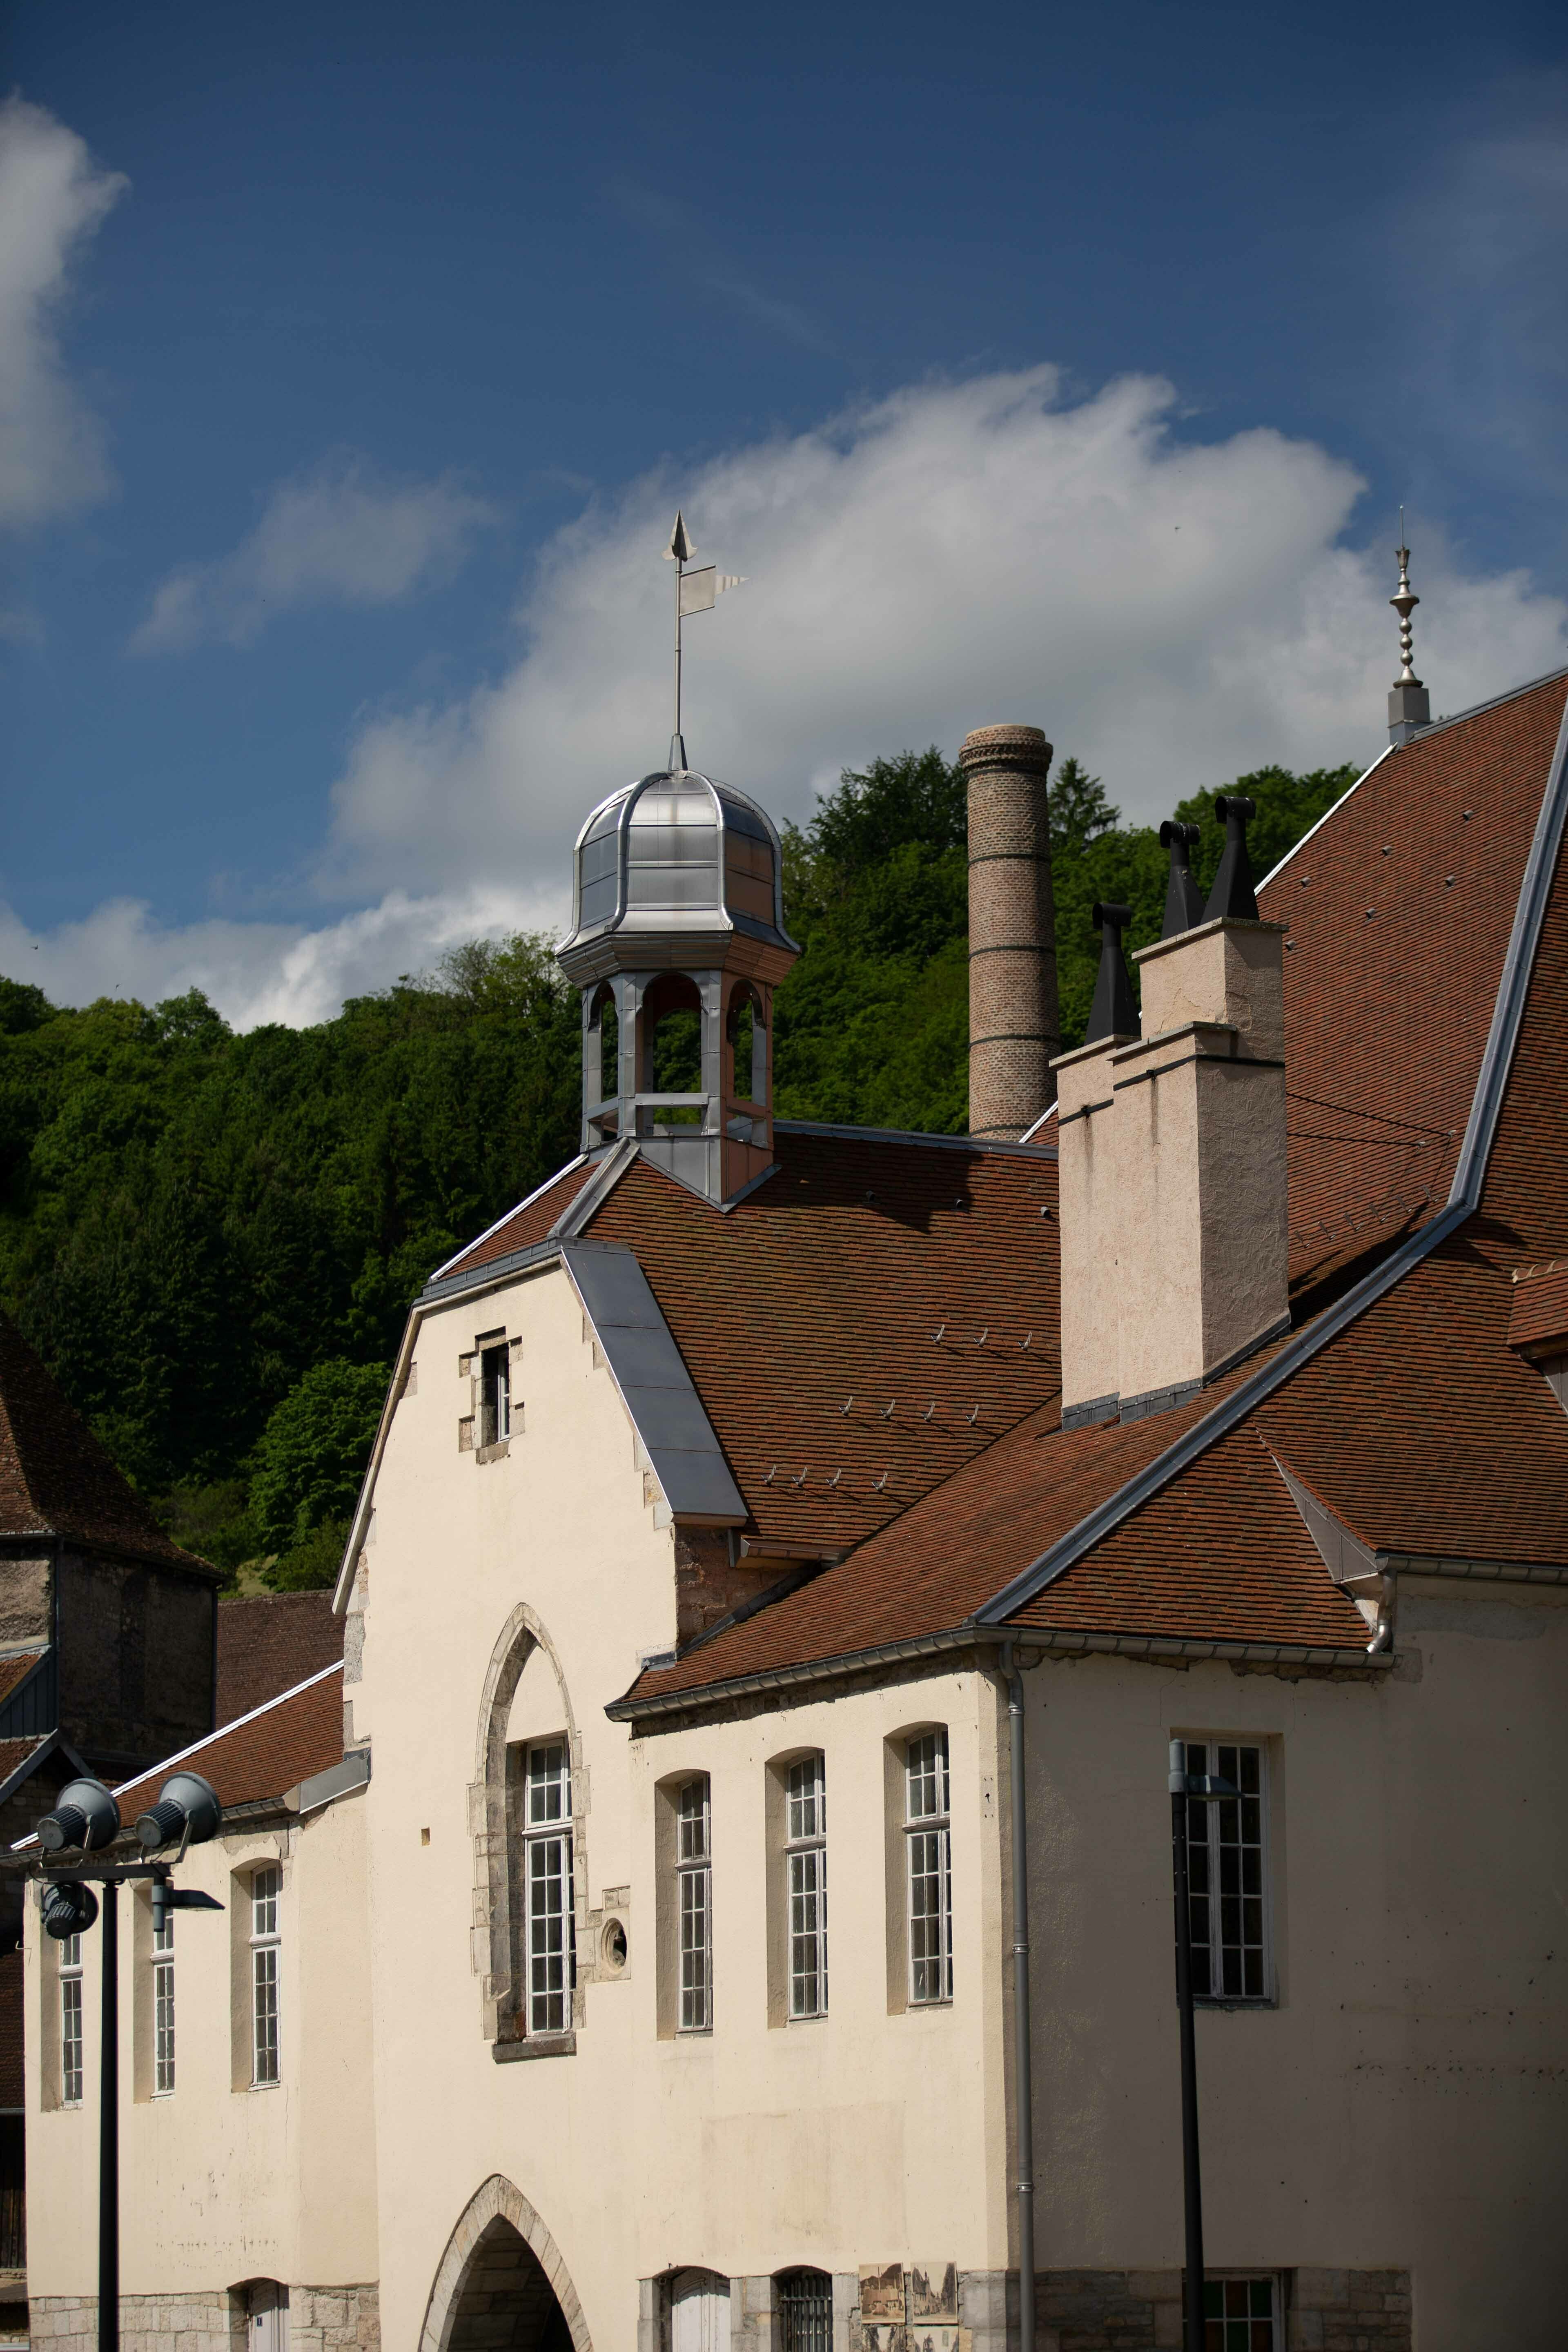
(1184, 899)
(1014, 1029)
(1233, 893)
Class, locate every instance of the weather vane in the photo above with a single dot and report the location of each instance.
(695, 592)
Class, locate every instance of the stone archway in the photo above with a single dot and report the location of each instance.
(501, 2285)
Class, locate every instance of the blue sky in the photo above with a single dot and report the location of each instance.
(1065, 364)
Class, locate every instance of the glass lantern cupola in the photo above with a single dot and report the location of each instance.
(676, 945)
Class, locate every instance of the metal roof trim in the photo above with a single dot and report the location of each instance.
(902, 1135)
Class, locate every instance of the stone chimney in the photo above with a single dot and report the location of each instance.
(1013, 1022)
(1171, 1163)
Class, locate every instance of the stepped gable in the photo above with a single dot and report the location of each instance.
(267, 1643)
(1416, 1422)
(56, 1479)
(1384, 1030)
(857, 1326)
(264, 1755)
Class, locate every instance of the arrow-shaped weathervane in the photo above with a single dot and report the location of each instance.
(695, 592)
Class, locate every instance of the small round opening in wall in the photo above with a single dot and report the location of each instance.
(614, 1947)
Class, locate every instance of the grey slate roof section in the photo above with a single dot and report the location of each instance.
(655, 1385)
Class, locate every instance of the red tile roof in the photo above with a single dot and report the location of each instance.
(1539, 1311)
(530, 1222)
(1417, 1423)
(267, 1642)
(263, 1755)
(56, 1478)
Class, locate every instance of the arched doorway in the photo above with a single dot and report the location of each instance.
(493, 2291)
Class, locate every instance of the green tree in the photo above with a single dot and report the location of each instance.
(312, 1454)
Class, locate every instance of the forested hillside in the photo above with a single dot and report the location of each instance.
(213, 1239)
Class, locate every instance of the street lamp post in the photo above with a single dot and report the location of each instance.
(86, 1817)
(1207, 1787)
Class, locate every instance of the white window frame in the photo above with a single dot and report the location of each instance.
(928, 1868)
(1240, 2325)
(694, 1903)
(495, 1394)
(550, 1926)
(71, 2044)
(805, 1887)
(1229, 1865)
(266, 1970)
(163, 1965)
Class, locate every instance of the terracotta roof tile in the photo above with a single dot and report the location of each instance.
(1538, 1314)
(529, 1222)
(263, 1755)
(267, 1642)
(1417, 1423)
(56, 1478)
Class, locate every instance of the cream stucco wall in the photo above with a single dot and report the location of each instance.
(219, 2185)
(864, 2134)
(1404, 2105)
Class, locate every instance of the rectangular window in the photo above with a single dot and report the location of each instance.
(70, 2022)
(806, 1880)
(1227, 1876)
(1240, 2314)
(547, 1855)
(928, 1844)
(264, 1947)
(694, 1887)
(163, 2006)
(495, 1394)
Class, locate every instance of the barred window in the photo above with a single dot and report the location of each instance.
(694, 1908)
(1227, 1876)
(163, 2006)
(806, 1884)
(1240, 2314)
(70, 2022)
(805, 2312)
(550, 1905)
(928, 1845)
(265, 1889)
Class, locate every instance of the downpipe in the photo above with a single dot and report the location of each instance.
(1023, 2060)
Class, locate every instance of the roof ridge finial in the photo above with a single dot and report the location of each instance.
(1409, 704)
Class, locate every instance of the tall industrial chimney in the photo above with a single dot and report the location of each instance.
(1014, 1029)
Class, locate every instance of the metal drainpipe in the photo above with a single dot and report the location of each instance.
(1023, 2063)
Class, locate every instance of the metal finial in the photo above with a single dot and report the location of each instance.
(1405, 604)
(695, 592)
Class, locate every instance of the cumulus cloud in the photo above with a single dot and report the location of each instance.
(1175, 612)
(257, 972)
(337, 535)
(52, 197)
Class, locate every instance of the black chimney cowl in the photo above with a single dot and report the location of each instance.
(1233, 893)
(1184, 899)
(1114, 1011)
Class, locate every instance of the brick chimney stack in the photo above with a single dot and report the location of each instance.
(1014, 1030)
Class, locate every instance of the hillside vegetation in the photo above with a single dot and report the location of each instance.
(213, 1239)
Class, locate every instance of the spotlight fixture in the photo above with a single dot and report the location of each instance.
(187, 1810)
(86, 1815)
(69, 1908)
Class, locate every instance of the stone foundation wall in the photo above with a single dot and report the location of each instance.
(321, 2319)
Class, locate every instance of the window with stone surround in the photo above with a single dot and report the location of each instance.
(694, 1906)
(70, 2022)
(928, 1867)
(265, 1943)
(806, 1883)
(1227, 1872)
(550, 1914)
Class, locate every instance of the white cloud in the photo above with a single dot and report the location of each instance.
(1174, 613)
(337, 535)
(256, 972)
(52, 197)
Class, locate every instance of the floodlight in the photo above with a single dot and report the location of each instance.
(69, 1908)
(187, 1810)
(86, 1815)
